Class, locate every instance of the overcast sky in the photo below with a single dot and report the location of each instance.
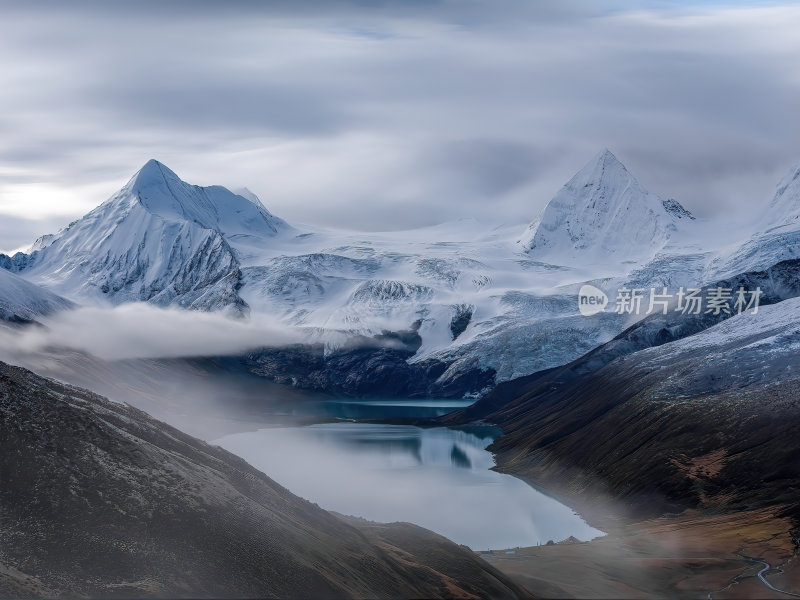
(386, 115)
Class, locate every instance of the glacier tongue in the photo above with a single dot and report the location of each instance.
(603, 214)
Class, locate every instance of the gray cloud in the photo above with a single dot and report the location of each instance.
(395, 114)
(485, 168)
(144, 331)
(18, 233)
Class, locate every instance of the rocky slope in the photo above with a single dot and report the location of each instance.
(98, 499)
(704, 421)
(680, 442)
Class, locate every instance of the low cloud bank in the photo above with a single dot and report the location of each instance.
(145, 331)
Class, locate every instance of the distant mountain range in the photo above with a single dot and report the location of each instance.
(472, 307)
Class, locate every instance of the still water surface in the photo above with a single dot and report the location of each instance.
(437, 478)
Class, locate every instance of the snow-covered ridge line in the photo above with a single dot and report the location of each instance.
(476, 299)
(22, 301)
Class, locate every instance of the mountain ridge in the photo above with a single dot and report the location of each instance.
(509, 303)
(101, 500)
(159, 240)
(25, 302)
(784, 207)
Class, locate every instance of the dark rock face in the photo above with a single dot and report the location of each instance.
(674, 207)
(16, 263)
(461, 320)
(375, 367)
(98, 499)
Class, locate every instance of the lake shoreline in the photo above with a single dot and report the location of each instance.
(692, 553)
(440, 478)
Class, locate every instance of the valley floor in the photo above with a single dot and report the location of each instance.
(692, 555)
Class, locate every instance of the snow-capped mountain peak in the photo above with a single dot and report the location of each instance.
(161, 192)
(784, 208)
(774, 237)
(603, 214)
(158, 239)
(602, 169)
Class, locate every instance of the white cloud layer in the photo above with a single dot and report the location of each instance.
(141, 330)
(393, 114)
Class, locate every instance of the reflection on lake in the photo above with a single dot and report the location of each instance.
(437, 478)
(328, 408)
